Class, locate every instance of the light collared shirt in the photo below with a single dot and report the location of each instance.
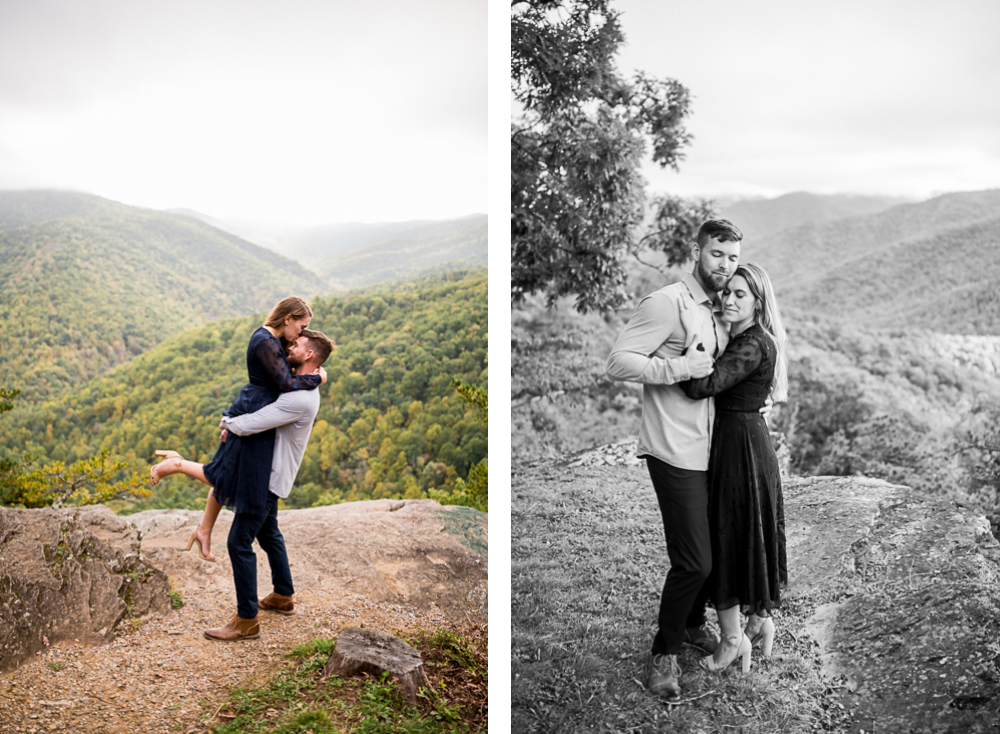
(292, 414)
(651, 350)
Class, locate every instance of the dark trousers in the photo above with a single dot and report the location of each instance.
(683, 498)
(264, 528)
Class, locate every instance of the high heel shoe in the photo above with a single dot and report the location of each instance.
(193, 540)
(741, 649)
(765, 635)
(154, 478)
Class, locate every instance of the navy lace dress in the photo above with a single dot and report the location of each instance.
(745, 505)
(241, 469)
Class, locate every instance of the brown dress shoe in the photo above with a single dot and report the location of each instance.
(277, 603)
(664, 677)
(235, 629)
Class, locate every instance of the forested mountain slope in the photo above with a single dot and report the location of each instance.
(929, 265)
(431, 247)
(390, 425)
(89, 283)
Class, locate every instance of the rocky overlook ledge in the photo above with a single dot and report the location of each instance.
(895, 593)
(89, 642)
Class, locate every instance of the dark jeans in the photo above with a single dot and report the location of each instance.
(264, 528)
(683, 498)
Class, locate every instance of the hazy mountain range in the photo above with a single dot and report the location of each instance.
(759, 217)
(354, 254)
(932, 264)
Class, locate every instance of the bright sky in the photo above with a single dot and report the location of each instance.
(305, 111)
(895, 97)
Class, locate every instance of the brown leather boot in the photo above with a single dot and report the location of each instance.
(277, 603)
(235, 629)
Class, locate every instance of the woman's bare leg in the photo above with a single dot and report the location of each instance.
(179, 465)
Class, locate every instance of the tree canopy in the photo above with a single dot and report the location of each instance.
(577, 196)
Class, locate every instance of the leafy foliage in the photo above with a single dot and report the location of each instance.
(84, 482)
(6, 395)
(576, 193)
(475, 491)
(390, 424)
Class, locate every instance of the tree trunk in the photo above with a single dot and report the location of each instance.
(360, 650)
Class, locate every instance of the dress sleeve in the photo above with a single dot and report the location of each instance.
(275, 363)
(740, 360)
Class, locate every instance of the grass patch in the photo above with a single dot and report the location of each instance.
(298, 699)
(56, 666)
(588, 560)
(176, 600)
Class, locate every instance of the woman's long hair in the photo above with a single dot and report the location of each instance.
(292, 306)
(768, 317)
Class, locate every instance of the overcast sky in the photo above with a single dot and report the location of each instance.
(898, 97)
(304, 111)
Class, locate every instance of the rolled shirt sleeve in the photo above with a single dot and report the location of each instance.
(282, 411)
(633, 357)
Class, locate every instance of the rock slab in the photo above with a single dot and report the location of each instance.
(72, 573)
(413, 553)
(361, 650)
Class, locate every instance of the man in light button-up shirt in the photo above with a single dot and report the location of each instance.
(674, 335)
(292, 415)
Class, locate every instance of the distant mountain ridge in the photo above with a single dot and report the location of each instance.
(759, 217)
(88, 283)
(931, 265)
(354, 254)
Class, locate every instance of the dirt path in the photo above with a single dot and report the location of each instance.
(165, 676)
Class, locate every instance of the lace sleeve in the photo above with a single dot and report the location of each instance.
(272, 359)
(740, 360)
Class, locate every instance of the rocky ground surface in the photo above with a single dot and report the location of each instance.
(899, 594)
(397, 566)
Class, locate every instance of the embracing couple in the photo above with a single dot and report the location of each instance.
(710, 354)
(264, 436)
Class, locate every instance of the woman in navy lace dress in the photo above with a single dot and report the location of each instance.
(241, 469)
(745, 504)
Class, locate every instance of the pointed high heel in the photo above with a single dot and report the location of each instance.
(742, 649)
(765, 635)
(193, 540)
(153, 478)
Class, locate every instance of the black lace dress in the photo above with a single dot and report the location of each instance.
(240, 472)
(746, 508)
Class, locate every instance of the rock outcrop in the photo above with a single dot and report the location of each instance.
(74, 573)
(905, 593)
(411, 552)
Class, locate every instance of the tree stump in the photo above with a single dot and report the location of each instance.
(360, 650)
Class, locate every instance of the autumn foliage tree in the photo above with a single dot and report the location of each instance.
(86, 482)
(577, 141)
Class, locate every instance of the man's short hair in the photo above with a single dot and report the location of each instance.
(721, 229)
(320, 343)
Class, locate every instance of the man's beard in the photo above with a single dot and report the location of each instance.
(714, 281)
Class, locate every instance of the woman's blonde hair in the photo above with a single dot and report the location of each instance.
(292, 306)
(768, 316)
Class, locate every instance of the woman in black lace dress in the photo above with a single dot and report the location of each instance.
(746, 509)
(241, 469)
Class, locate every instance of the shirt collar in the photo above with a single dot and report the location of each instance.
(698, 292)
